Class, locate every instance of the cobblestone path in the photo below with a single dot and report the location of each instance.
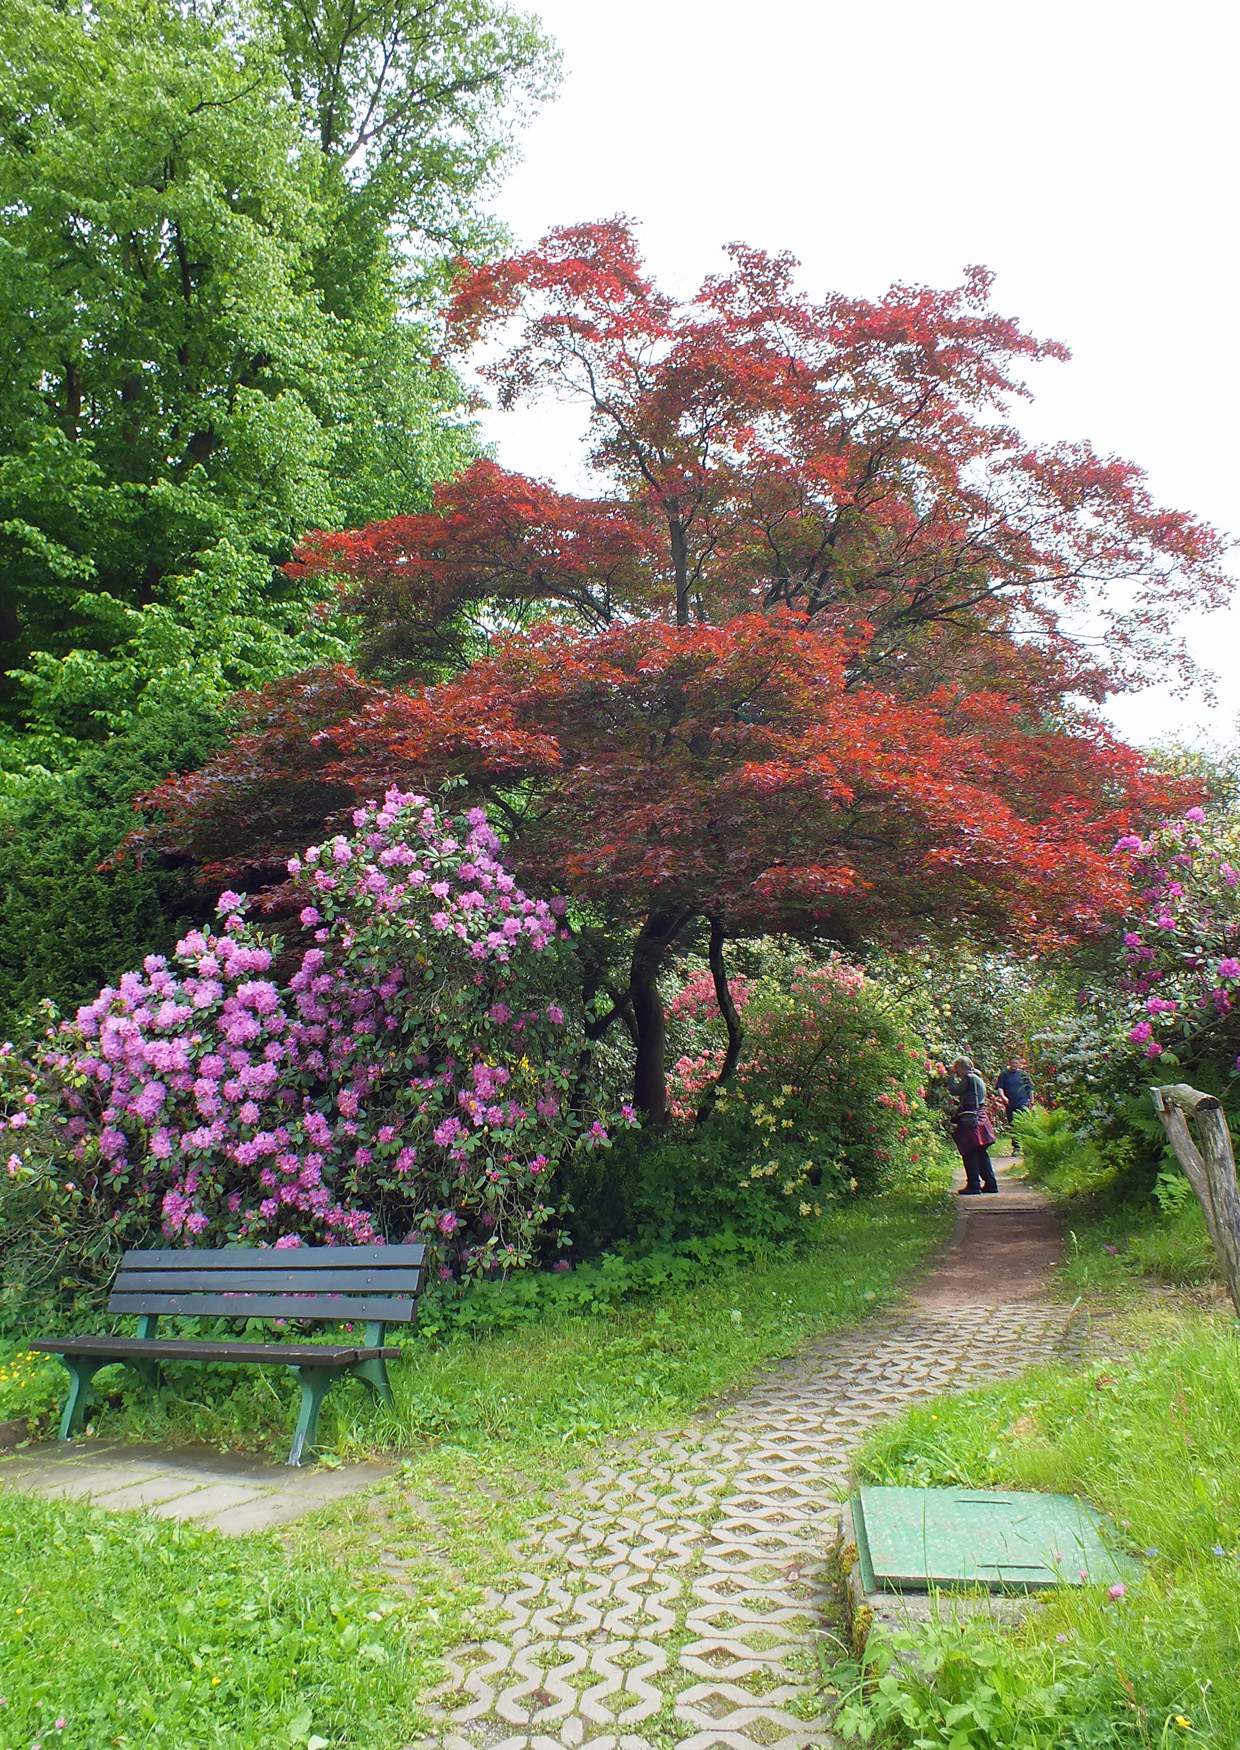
(679, 1595)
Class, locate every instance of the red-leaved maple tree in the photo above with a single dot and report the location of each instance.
(815, 658)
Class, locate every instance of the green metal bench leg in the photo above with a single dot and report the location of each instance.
(82, 1371)
(147, 1370)
(374, 1374)
(314, 1382)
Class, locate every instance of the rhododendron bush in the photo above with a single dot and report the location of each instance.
(1182, 950)
(405, 1075)
(828, 1099)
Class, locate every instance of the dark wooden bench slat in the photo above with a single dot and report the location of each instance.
(174, 1349)
(402, 1281)
(391, 1309)
(276, 1258)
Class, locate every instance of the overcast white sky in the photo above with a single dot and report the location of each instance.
(1087, 152)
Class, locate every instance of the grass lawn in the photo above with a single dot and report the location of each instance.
(121, 1631)
(1153, 1441)
(487, 1427)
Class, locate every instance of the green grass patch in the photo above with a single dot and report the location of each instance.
(1128, 1220)
(1152, 1441)
(120, 1631)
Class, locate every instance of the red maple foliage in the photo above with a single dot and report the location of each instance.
(847, 458)
(725, 773)
(813, 663)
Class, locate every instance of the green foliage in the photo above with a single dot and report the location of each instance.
(68, 925)
(599, 1286)
(828, 1101)
(216, 224)
(1057, 1156)
(1152, 1442)
(133, 1631)
(1132, 1214)
(977, 1003)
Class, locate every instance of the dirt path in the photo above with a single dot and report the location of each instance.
(680, 1594)
(1005, 1248)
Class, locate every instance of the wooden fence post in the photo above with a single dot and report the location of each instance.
(1210, 1167)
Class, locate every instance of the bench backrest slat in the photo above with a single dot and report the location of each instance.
(296, 1282)
(266, 1306)
(399, 1282)
(275, 1258)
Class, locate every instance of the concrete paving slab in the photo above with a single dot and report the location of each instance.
(259, 1513)
(234, 1492)
(68, 1482)
(202, 1503)
(149, 1493)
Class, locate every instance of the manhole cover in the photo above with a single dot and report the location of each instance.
(910, 1539)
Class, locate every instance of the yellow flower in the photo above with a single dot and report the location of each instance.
(807, 1209)
(1183, 1721)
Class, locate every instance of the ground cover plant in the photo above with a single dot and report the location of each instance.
(1151, 1440)
(1128, 1219)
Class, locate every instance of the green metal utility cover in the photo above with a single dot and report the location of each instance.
(911, 1539)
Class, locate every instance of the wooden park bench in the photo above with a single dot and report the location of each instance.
(377, 1285)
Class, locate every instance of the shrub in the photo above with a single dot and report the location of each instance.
(828, 1100)
(1057, 1156)
(406, 1080)
(70, 926)
(1182, 953)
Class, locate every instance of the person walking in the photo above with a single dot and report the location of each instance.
(970, 1126)
(1015, 1088)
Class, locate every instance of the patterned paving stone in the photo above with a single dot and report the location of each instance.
(681, 1592)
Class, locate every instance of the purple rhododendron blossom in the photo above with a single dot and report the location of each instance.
(231, 1101)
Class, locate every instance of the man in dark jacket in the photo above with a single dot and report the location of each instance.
(1015, 1088)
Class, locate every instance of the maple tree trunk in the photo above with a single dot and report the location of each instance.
(680, 568)
(731, 1020)
(1209, 1166)
(657, 934)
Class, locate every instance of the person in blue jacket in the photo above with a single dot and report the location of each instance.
(1015, 1088)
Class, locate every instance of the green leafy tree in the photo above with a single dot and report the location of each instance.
(216, 221)
(72, 922)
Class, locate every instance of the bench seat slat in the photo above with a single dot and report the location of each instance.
(275, 1257)
(392, 1309)
(402, 1281)
(172, 1349)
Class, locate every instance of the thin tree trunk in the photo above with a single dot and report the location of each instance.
(680, 566)
(731, 1020)
(657, 934)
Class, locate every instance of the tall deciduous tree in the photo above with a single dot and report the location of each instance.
(850, 459)
(813, 660)
(215, 220)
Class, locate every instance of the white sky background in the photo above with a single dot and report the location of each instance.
(1087, 152)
